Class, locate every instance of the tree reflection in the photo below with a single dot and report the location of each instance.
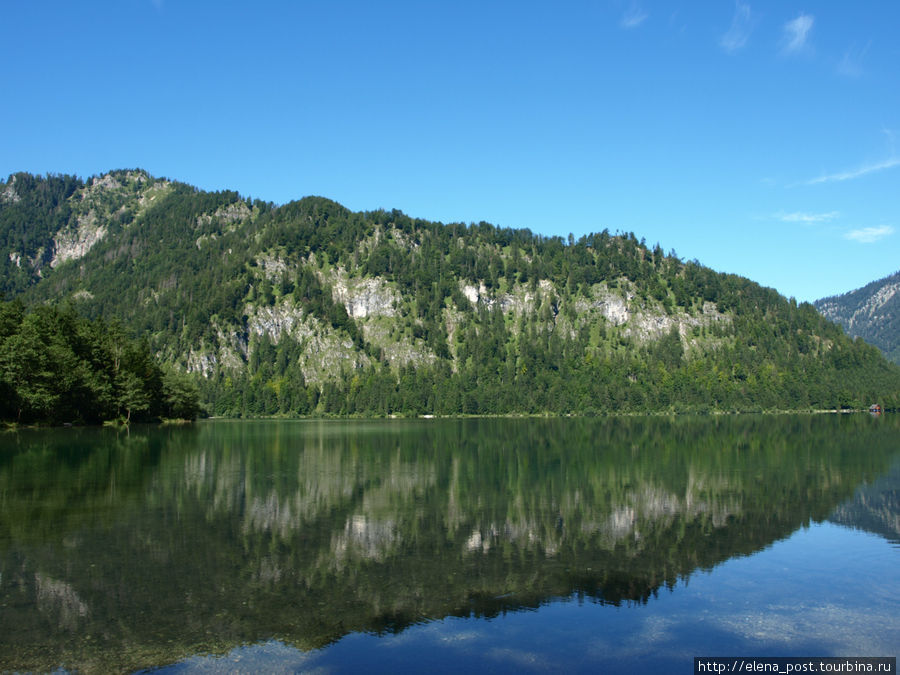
(127, 551)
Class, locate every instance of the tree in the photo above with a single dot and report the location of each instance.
(181, 396)
(133, 396)
(26, 370)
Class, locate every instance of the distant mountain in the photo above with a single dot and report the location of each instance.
(309, 308)
(871, 312)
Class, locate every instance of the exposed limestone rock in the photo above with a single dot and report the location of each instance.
(37, 262)
(100, 202)
(229, 352)
(650, 325)
(203, 238)
(473, 293)
(152, 193)
(397, 350)
(520, 300)
(866, 313)
(882, 296)
(285, 318)
(73, 243)
(226, 215)
(642, 321)
(453, 318)
(9, 194)
(363, 298)
(403, 239)
(201, 362)
(271, 267)
(107, 182)
(233, 348)
(327, 355)
(613, 307)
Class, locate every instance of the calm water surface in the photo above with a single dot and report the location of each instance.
(612, 545)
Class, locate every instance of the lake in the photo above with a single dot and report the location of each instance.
(498, 545)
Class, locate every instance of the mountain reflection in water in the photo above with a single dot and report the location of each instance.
(121, 551)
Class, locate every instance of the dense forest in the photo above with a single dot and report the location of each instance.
(309, 308)
(56, 366)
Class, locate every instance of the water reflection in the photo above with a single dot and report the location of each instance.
(875, 507)
(125, 551)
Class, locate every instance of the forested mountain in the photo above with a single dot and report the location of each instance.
(311, 308)
(871, 312)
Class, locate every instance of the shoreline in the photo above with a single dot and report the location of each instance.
(14, 426)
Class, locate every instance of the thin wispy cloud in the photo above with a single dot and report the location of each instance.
(796, 32)
(892, 140)
(634, 16)
(869, 235)
(676, 22)
(741, 26)
(856, 173)
(807, 218)
(851, 65)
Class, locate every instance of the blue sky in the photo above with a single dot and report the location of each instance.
(760, 138)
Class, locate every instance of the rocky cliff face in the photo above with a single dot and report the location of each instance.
(74, 243)
(112, 200)
(871, 312)
(363, 297)
(8, 194)
(374, 304)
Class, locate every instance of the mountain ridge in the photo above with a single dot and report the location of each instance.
(310, 308)
(871, 312)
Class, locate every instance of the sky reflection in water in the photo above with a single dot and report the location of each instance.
(624, 545)
(782, 601)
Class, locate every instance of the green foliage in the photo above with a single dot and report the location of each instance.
(181, 397)
(32, 211)
(56, 366)
(220, 284)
